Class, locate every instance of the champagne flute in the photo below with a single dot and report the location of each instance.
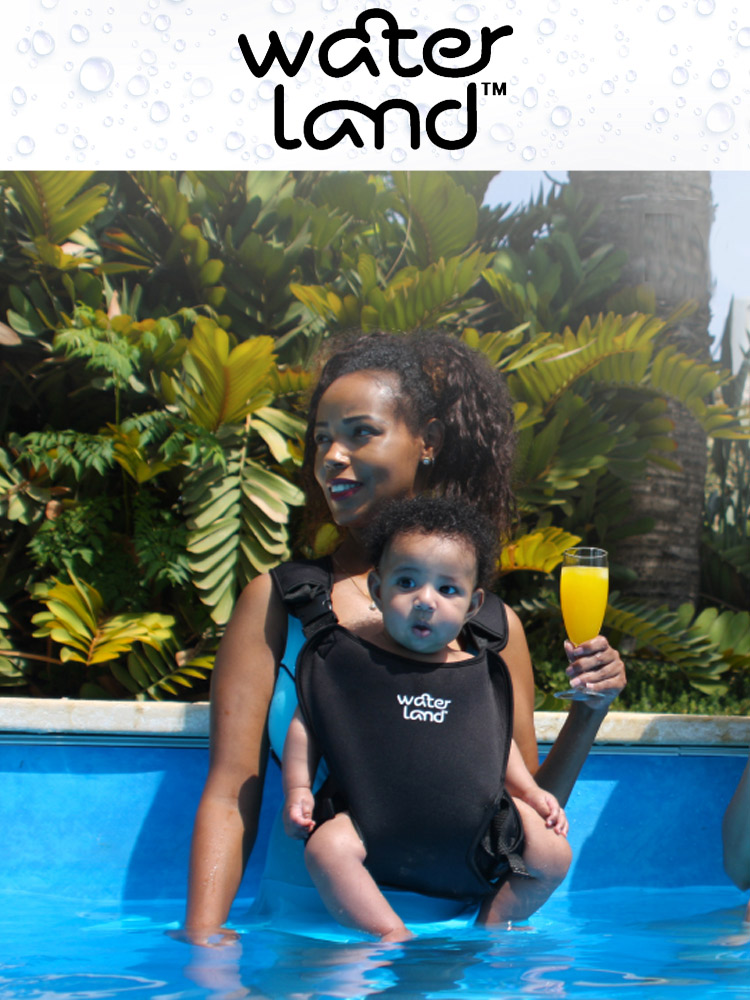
(584, 582)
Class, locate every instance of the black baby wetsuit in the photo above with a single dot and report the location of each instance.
(416, 753)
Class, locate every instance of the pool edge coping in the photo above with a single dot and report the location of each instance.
(191, 719)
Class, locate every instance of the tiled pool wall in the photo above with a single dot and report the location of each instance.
(97, 799)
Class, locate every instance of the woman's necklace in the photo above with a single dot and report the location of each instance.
(352, 579)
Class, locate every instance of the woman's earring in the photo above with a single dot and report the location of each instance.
(426, 461)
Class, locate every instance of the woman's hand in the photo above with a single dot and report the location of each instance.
(206, 937)
(595, 666)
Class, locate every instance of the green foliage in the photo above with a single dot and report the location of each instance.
(76, 620)
(160, 672)
(162, 328)
(725, 544)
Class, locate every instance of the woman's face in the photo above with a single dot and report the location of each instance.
(364, 451)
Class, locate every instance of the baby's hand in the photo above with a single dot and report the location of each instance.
(298, 810)
(550, 810)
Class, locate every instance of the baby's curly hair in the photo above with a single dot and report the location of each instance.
(440, 516)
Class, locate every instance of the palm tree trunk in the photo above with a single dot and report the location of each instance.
(663, 221)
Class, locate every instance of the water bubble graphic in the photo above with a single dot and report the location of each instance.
(719, 118)
(562, 57)
(608, 87)
(528, 153)
(234, 141)
(80, 141)
(705, 7)
(62, 129)
(467, 12)
(660, 116)
(560, 116)
(162, 23)
(720, 79)
(743, 38)
(18, 96)
(148, 57)
(680, 76)
(160, 144)
(530, 97)
(665, 13)
(631, 76)
(42, 43)
(282, 7)
(265, 91)
(264, 151)
(501, 133)
(192, 135)
(138, 85)
(108, 122)
(96, 74)
(159, 111)
(201, 87)
(329, 4)
(25, 145)
(237, 95)
(547, 26)
(79, 34)
(398, 155)
(179, 45)
(49, 4)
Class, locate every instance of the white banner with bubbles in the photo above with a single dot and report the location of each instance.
(610, 84)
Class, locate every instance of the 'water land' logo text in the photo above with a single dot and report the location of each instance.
(423, 707)
(448, 43)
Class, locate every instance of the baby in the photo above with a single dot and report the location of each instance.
(431, 556)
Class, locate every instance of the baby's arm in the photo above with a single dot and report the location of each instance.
(297, 770)
(521, 785)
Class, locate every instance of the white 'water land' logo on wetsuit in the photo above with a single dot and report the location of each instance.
(423, 707)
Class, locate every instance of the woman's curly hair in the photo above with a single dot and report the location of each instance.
(439, 377)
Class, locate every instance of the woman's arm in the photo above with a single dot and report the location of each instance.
(227, 819)
(603, 668)
(736, 833)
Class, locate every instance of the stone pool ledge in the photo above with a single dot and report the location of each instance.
(190, 720)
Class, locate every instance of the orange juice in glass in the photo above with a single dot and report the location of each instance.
(584, 583)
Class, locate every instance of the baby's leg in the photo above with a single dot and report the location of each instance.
(335, 859)
(547, 858)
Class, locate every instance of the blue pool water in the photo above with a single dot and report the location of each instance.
(94, 853)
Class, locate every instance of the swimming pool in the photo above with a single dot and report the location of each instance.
(95, 838)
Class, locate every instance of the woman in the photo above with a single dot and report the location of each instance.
(390, 417)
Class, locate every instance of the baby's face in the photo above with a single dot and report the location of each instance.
(426, 590)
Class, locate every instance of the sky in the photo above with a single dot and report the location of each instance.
(730, 232)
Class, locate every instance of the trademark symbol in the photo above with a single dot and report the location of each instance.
(494, 89)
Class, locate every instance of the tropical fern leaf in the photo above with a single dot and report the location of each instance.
(76, 620)
(54, 202)
(237, 521)
(538, 551)
(163, 672)
(673, 637)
